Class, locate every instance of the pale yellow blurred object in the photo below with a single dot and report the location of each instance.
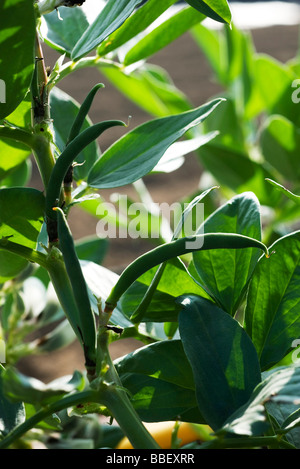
(162, 433)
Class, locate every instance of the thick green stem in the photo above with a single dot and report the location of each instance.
(42, 151)
(41, 121)
(120, 407)
(68, 401)
(117, 401)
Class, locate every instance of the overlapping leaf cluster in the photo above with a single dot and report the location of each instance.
(220, 320)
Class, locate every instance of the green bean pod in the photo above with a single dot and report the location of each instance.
(86, 317)
(66, 159)
(177, 248)
(82, 113)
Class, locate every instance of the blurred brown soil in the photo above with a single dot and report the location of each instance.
(191, 73)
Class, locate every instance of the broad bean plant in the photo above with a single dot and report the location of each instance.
(215, 308)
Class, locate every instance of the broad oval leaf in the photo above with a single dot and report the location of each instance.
(278, 386)
(175, 281)
(17, 29)
(113, 15)
(160, 380)
(225, 274)
(272, 314)
(224, 361)
(280, 142)
(276, 99)
(62, 30)
(21, 218)
(12, 414)
(19, 387)
(137, 153)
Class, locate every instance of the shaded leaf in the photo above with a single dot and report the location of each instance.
(12, 414)
(161, 382)
(223, 359)
(17, 29)
(23, 388)
(21, 218)
(175, 281)
(272, 310)
(280, 141)
(251, 418)
(226, 273)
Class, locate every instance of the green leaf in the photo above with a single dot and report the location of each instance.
(225, 274)
(18, 152)
(135, 24)
(19, 176)
(223, 359)
(61, 336)
(19, 387)
(276, 99)
(174, 157)
(100, 281)
(64, 111)
(272, 312)
(237, 171)
(163, 35)
(178, 248)
(12, 155)
(149, 86)
(136, 154)
(17, 30)
(210, 43)
(284, 190)
(218, 10)
(162, 307)
(109, 19)
(21, 116)
(91, 248)
(280, 143)
(12, 414)
(287, 420)
(62, 30)
(278, 386)
(175, 281)
(228, 122)
(160, 381)
(21, 218)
